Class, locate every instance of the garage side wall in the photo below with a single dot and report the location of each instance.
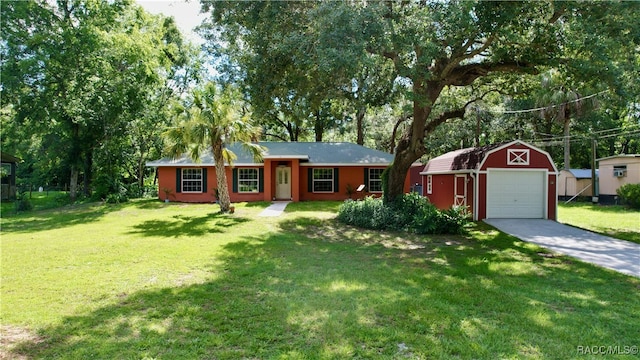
(552, 198)
(441, 190)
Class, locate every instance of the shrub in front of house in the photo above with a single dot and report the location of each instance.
(411, 212)
(630, 194)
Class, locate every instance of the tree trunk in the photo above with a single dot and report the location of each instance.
(221, 176)
(73, 184)
(88, 164)
(476, 139)
(394, 133)
(567, 144)
(319, 127)
(360, 125)
(141, 175)
(411, 146)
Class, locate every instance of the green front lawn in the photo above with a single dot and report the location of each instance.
(147, 280)
(613, 220)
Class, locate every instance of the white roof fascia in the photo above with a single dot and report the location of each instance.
(444, 172)
(150, 164)
(619, 156)
(277, 157)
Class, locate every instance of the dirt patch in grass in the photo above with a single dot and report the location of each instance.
(13, 336)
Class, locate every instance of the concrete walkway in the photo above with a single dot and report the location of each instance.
(275, 209)
(619, 255)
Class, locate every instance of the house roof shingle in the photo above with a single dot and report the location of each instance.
(311, 153)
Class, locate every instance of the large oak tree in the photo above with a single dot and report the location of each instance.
(433, 46)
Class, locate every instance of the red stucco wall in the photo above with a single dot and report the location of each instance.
(167, 180)
(348, 175)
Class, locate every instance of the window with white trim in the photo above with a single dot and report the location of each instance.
(375, 180)
(191, 180)
(248, 180)
(323, 180)
(429, 184)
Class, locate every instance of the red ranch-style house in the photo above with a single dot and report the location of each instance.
(513, 180)
(296, 171)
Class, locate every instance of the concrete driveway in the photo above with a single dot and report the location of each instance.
(619, 255)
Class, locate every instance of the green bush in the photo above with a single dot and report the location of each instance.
(630, 195)
(116, 198)
(62, 199)
(111, 190)
(411, 212)
(22, 202)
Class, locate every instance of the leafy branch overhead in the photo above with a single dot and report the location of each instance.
(432, 47)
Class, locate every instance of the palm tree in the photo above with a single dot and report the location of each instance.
(214, 120)
(561, 104)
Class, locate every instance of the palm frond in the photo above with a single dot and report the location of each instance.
(255, 150)
(229, 156)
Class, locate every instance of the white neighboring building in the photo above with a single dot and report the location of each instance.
(615, 171)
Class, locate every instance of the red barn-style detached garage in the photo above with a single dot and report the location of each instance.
(513, 180)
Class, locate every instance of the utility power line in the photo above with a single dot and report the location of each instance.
(559, 139)
(495, 110)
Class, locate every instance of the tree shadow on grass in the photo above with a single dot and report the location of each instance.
(181, 226)
(314, 206)
(346, 292)
(57, 218)
(257, 204)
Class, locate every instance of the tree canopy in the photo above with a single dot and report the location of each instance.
(433, 47)
(86, 82)
(88, 87)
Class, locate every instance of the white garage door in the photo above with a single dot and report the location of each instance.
(516, 194)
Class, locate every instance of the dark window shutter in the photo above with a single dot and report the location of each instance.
(178, 180)
(261, 180)
(366, 178)
(336, 181)
(235, 180)
(204, 180)
(310, 180)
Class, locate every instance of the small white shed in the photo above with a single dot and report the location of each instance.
(575, 182)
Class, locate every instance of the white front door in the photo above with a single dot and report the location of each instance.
(283, 182)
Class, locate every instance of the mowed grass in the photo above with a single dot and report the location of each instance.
(39, 200)
(613, 220)
(165, 281)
